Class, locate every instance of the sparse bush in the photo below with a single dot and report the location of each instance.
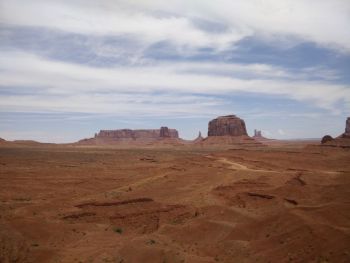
(151, 242)
(118, 230)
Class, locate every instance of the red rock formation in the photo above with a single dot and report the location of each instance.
(326, 138)
(130, 136)
(227, 126)
(347, 127)
(346, 134)
(199, 138)
(164, 132)
(257, 133)
(342, 141)
(259, 137)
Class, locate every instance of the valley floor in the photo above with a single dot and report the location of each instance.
(75, 204)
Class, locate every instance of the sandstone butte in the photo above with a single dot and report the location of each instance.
(229, 125)
(228, 131)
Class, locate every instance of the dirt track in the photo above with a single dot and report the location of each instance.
(67, 204)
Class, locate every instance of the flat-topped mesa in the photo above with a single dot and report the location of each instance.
(229, 125)
(163, 132)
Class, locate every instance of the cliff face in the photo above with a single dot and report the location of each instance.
(164, 132)
(229, 125)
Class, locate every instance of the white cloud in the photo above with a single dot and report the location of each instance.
(266, 133)
(98, 19)
(324, 22)
(281, 132)
(60, 86)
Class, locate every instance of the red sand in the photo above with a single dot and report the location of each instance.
(283, 203)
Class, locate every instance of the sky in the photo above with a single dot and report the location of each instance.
(69, 68)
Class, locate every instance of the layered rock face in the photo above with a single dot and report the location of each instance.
(164, 132)
(229, 125)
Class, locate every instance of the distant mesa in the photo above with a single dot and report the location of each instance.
(163, 132)
(229, 125)
(128, 135)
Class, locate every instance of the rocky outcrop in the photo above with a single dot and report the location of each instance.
(259, 137)
(342, 141)
(326, 138)
(199, 138)
(229, 125)
(346, 134)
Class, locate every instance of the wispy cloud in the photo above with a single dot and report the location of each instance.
(152, 21)
(71, 87)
